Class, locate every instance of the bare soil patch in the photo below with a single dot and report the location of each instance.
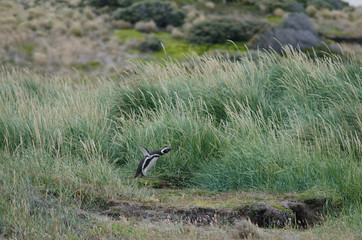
(278, 214)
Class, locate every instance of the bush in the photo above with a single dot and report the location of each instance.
(177, 34)
(298, 31)
(146, 26)
(220, 29)
(161, 12)
(116, 3)
(279, 12)
(311, 10)
(296, 5)
(121, 24)
(299, 21)
(150, 45)
(76, 30)
(330, 4)
(271, 5)
(277, 38)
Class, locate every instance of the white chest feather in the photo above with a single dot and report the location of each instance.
(149, 163)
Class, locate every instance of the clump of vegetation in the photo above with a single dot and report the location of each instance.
(311, 10)
(299, 21)
(161, 12)
(298, 32)
(296, 5)
(113, 3)
(244, 229)
(146, 26)
(152, 44)
(271, 5)
(330, 4)
(76, 30)
(220, 29)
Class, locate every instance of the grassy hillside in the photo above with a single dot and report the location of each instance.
(98, 38)
(276, 124)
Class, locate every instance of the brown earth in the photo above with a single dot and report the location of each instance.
(276, 214)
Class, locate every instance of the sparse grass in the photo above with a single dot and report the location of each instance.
(58, 37)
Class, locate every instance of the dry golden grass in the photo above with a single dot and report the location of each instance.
(341, 22)
(56, 37)
(149, 26)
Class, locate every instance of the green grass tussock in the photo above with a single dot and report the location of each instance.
(51, 115)
(276, 124)
(192, 136)
(54, 161)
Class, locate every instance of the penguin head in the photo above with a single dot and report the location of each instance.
(165, 150)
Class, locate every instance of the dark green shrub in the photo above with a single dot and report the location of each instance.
(150, 45)
(296, 5)
(220, 29)
(161, 12)
(124, 3)
(102, 3)
(115, 3)
(271, 5)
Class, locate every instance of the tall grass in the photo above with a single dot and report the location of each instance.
(54, 156)
(277, 124)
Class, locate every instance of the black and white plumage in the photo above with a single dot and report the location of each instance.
(149, 160)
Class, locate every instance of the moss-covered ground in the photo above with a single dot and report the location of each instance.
(177, 48)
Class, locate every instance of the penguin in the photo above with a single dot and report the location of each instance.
(149, 160)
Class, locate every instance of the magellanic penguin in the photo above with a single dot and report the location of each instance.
(149, 159)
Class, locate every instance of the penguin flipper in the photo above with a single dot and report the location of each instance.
(139, 172)
(145, 151)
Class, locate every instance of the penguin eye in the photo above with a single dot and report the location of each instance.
(165, 150)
